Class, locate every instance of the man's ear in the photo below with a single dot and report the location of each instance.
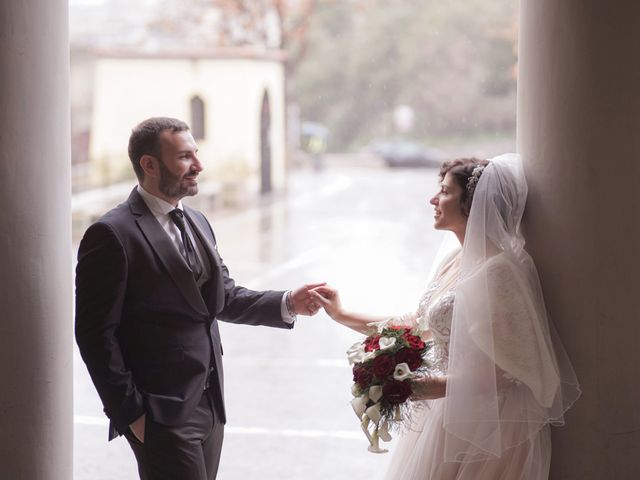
(149, 165)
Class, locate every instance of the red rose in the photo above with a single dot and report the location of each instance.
(372, 343)
(396, 392)
(414, 341)
(383, 365)
(410, 357)
(362, 376)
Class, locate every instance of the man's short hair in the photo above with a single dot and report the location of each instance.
(145, 139)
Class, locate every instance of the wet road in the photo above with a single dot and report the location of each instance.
(366, 231)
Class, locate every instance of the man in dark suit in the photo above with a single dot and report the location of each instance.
(150, 288)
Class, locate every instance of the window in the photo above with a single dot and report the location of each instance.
(197, 118)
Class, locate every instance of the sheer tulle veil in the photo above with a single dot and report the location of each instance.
(508, 373)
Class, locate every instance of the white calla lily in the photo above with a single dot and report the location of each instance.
(365, 428)
(374, 446)
(375, 392)
(373, 412)
(368, 356)
(360, 356)
(359, 405)
(383, 432)
(387, 342)
(380, 326)
(356, 390)
(355, 353)
(402, 372)
(356, 346)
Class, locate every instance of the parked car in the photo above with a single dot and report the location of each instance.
(405, 153)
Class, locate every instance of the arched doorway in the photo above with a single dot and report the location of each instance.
(265, 145)
(197, 117)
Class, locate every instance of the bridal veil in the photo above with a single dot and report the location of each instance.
(508, 373)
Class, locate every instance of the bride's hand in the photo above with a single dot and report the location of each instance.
(329, 299)
(428, 388)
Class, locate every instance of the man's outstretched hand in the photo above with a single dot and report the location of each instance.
(303, 301)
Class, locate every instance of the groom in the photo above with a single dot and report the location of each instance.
(150, 289)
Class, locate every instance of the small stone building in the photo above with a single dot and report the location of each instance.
(232, 98)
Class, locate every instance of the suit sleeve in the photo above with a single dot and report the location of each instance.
(101, 278)
(249, 307)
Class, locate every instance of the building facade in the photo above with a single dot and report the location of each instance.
(233, 99)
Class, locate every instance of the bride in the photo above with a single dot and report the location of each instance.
(501, 376)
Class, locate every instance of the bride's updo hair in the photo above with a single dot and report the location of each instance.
(466, 172)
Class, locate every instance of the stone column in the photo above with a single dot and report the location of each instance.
(579, 133)
(36, 326)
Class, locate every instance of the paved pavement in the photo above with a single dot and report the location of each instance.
(368, 232)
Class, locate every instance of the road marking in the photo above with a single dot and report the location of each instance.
(285, 432)
(289, 362)
(289, 432)
(92, 421)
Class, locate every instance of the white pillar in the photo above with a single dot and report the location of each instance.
(36, 408)
(579, 132)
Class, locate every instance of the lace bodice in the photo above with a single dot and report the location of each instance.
(434, 315)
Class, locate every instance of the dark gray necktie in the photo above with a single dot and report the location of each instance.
(191, 256)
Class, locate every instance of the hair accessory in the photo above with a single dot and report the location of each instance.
(473, 179)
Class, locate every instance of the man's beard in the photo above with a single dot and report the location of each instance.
(171, 185)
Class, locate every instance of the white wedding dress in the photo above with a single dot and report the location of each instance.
(508, 377)
(420, 451)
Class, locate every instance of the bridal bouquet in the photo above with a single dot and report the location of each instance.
(383, 366)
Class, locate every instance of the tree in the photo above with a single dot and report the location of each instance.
(451, 61)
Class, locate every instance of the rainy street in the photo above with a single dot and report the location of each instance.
(365, 230)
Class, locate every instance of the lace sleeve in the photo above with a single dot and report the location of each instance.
(520, 348)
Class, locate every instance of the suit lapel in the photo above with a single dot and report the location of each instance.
(202, 230)
(167, 252)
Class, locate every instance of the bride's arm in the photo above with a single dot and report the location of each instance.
(330, 300)
(358, 322)
(429, 388)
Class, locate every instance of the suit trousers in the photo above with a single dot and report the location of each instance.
(190, 451)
